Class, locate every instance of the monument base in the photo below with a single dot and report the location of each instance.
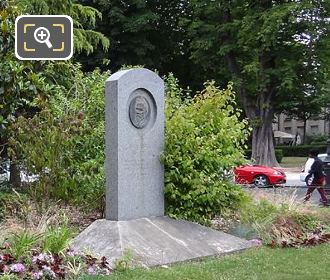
(155, 241)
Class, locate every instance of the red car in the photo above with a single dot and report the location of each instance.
(259, 175)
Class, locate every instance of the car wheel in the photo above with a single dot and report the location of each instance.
(261, 181)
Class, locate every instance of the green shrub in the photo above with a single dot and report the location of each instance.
(278, 154)
(64, 143)
(204, 138)
(301, 150)
(318, 139)
(9, 277)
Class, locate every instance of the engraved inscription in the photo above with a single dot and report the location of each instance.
(139, 111)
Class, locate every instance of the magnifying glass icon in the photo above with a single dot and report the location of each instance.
(41, 35)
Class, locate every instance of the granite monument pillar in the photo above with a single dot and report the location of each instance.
(134, 142)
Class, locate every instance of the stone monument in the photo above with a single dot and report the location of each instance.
(134, 141)
(134, 217)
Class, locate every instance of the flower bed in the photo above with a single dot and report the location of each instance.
(39, 265)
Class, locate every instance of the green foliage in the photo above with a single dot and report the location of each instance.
(64, 143)
(279, 155)
(25, 86)
(301, 150)
(204, 140)
(9, 277)
(319, 139)
(284, 222)
(259, 212)
(145, 33)
(50, 239)
(56, 239)
(20, 82)
(274, 51)
(125, 263)
(84, 20)
(22, 243)
(128, 24)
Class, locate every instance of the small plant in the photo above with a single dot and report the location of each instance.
(8, 276)
(56, 239)
(22, 243)
(37, 265)
(18, 205)
(125, 262)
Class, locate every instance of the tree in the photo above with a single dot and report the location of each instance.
(24, 85)
(258, 45)
(128, 24)
(145, 33)
(84, 20)
(309, 98)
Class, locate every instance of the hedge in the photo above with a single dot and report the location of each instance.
(278, 154)
(302, 150)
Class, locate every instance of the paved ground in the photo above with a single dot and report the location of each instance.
(295, 186)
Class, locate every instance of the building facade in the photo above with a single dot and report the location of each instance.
(296, 127)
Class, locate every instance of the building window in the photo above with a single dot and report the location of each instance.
(287, 119)
(300, 130)
(314, 129)
(287, 129)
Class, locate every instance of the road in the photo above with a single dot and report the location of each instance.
(295, 187)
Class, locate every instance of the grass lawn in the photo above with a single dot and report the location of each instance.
(289, 162)
(262, 263)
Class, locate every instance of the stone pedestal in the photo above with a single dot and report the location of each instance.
(155, 241)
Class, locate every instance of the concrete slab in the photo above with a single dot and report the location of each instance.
(155, 241)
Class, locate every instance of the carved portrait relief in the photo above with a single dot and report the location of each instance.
(139, 111)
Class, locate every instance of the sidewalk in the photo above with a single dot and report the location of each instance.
(291, 169)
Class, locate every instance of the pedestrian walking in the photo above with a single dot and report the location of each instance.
(318, 181)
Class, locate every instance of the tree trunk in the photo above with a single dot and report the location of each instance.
(15, 178)
(305, 128)
(263, 151)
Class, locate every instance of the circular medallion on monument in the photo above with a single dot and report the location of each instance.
(139, 111)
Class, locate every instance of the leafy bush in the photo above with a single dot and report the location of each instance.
(64, 143)
(318, 139)
(205, 139)
(301, 150)
(279, 155)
